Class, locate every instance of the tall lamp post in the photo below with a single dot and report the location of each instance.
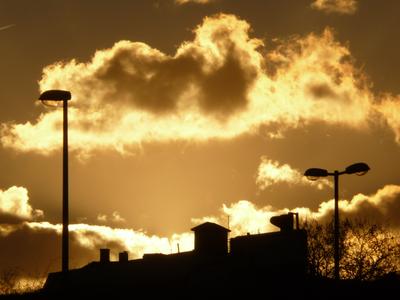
(314, 174)
(58, 98)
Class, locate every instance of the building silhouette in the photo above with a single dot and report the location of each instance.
(254, 260)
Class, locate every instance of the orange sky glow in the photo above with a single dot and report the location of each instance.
(185, 111)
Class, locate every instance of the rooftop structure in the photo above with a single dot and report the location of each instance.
(278, 256)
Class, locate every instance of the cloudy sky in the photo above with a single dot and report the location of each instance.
(191, 110)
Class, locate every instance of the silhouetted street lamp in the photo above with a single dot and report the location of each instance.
(57, 98)
(314, 174)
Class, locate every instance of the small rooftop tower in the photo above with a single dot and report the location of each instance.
(210, 239)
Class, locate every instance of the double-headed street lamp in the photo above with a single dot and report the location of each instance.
(314, 174)
(57, 98)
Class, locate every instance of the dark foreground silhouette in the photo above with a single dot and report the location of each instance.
(270, 265)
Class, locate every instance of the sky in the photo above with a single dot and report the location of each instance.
(185, 111)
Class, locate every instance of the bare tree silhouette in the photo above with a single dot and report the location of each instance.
(368, 251)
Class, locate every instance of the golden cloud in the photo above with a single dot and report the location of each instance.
(85, 242)
(271, 172)
(180, 2)
(137, 243)
(14, 206)
(43, 239)
(114, 218)
(219, 85)
(336, 6)
(381, 207)
(244, 217)
(389, 107)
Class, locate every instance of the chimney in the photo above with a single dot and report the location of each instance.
(123, 256)
(104, 255)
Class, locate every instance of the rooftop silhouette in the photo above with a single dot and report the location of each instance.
(253, 258)
(271, 264)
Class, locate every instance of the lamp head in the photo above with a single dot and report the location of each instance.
(54, 97)
(358, 169)
(315, 173)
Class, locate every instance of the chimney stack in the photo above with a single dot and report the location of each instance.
(123, 256)
(104, 255)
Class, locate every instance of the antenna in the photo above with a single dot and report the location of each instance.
(229, 240)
